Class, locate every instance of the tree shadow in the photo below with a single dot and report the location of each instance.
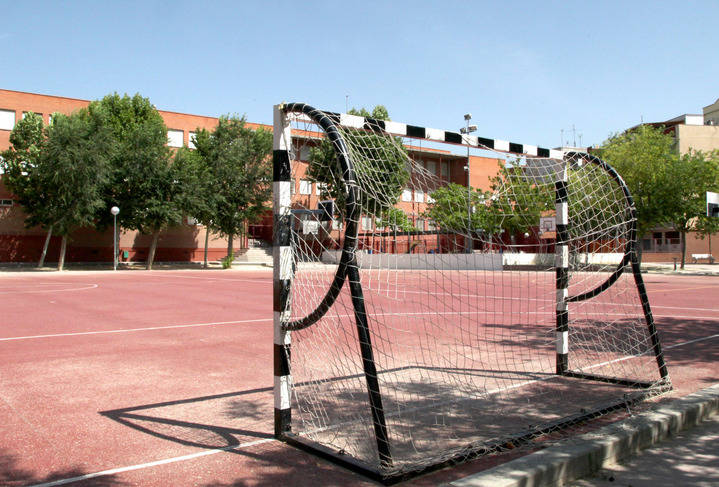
(13, 475)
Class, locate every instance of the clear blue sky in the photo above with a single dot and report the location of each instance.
(525, 70)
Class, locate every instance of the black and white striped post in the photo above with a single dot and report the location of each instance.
(282, 270)
(562, 267)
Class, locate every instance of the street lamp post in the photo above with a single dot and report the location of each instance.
(115, 211)
(468, 129)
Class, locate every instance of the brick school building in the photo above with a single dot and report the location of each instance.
(183, 242)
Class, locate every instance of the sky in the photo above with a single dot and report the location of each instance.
(527, 71)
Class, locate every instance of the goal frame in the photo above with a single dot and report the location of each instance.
(348, 271)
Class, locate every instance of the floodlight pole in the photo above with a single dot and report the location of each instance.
(115, 211)
(466, 131)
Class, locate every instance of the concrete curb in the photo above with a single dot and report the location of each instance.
(575, 458)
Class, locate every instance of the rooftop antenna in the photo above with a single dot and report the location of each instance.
(574, 137)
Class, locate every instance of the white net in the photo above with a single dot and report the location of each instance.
(459, 291)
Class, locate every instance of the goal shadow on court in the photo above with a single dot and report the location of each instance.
(212, 422)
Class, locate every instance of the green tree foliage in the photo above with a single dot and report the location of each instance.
(143, 182)
(691, 176)
(380, 165)
(74, 167)
(514, 204)
(396, 220)
(644, 157)
(517, 201)
(379, 112)
(667, 188)
(19, 163)
(239, 176)
(58, 172)
(453, 212)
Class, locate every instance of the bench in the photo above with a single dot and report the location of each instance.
(696, 257)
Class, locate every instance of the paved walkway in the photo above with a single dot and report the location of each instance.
(689, 269)
(690, 458)
(674, 445)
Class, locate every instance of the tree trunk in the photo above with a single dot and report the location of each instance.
(153, 247)
(683, 242)
(230, 245)
(207, 240)
(63, 246)
(44, 247)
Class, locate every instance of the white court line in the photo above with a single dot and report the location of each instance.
(153, 464)
(269, 440)
(130, 330)
(259, 320)
(267, 280)
(87, 286)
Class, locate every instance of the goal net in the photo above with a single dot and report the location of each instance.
(420, 320)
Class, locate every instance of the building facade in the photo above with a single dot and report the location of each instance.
(691, 132)
(185, 242)
(182, 243)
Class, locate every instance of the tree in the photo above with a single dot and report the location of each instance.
(380, 165)
(73, 167)
(198, 198)
(19, 164)
(142, 183)
(691, 176)
(517, 200)
(396, 220)
(237, 159)
(514, 204)
(58, 172)
(644, 157)
(450, 210)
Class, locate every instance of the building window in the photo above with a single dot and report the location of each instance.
(444, 166)
(431, 167)
(406, 194)
(25, 114)
(7, 119)
(420, 224)
(191, 140)
(174, 138)
(321, 187)
(5, 203)
(305, 186)
(662, 241)
(366, 223)
(419, 196)
(304, 153)
(293, 186)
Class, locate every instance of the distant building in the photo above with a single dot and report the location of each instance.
(711, 114)
(182, 243)
(185, 242)
(691, 132)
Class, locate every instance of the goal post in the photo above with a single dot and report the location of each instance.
(396, 350)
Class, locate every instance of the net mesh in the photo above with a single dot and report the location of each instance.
(460, 292)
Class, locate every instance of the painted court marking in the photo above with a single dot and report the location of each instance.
(261, 320)
(130, 330)
(153, 464)
(36, 291)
